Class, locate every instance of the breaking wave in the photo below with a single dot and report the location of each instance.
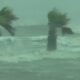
(15, 49)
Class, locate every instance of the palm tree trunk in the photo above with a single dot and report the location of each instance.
(52, 38)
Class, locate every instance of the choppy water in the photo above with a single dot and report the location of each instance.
(24, 57)
(30, 48)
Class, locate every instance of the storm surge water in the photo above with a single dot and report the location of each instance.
(28, 48)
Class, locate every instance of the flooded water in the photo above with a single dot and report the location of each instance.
(33, 46)
(25, 57)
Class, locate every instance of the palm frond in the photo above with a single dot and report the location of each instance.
(57, 17)
(7, 16)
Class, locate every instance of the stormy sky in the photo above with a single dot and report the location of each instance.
(35, 11)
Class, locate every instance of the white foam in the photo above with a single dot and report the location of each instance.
(38, 37)
(5, 38)
(68, 47)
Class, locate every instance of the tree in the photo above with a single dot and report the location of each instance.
(6, 19)
(55, 19)
(58, 18)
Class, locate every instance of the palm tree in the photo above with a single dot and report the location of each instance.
(55, 19)
(6, 19)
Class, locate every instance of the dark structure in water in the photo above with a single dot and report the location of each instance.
(6, 18)
(52, 38)
(56, 19)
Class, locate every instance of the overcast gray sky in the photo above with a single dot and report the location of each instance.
(35, 11)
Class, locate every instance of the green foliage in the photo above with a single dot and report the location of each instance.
(57, 17)
(7, 16)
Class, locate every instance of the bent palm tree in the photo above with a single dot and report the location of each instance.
(6, 18)
(55, 19)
